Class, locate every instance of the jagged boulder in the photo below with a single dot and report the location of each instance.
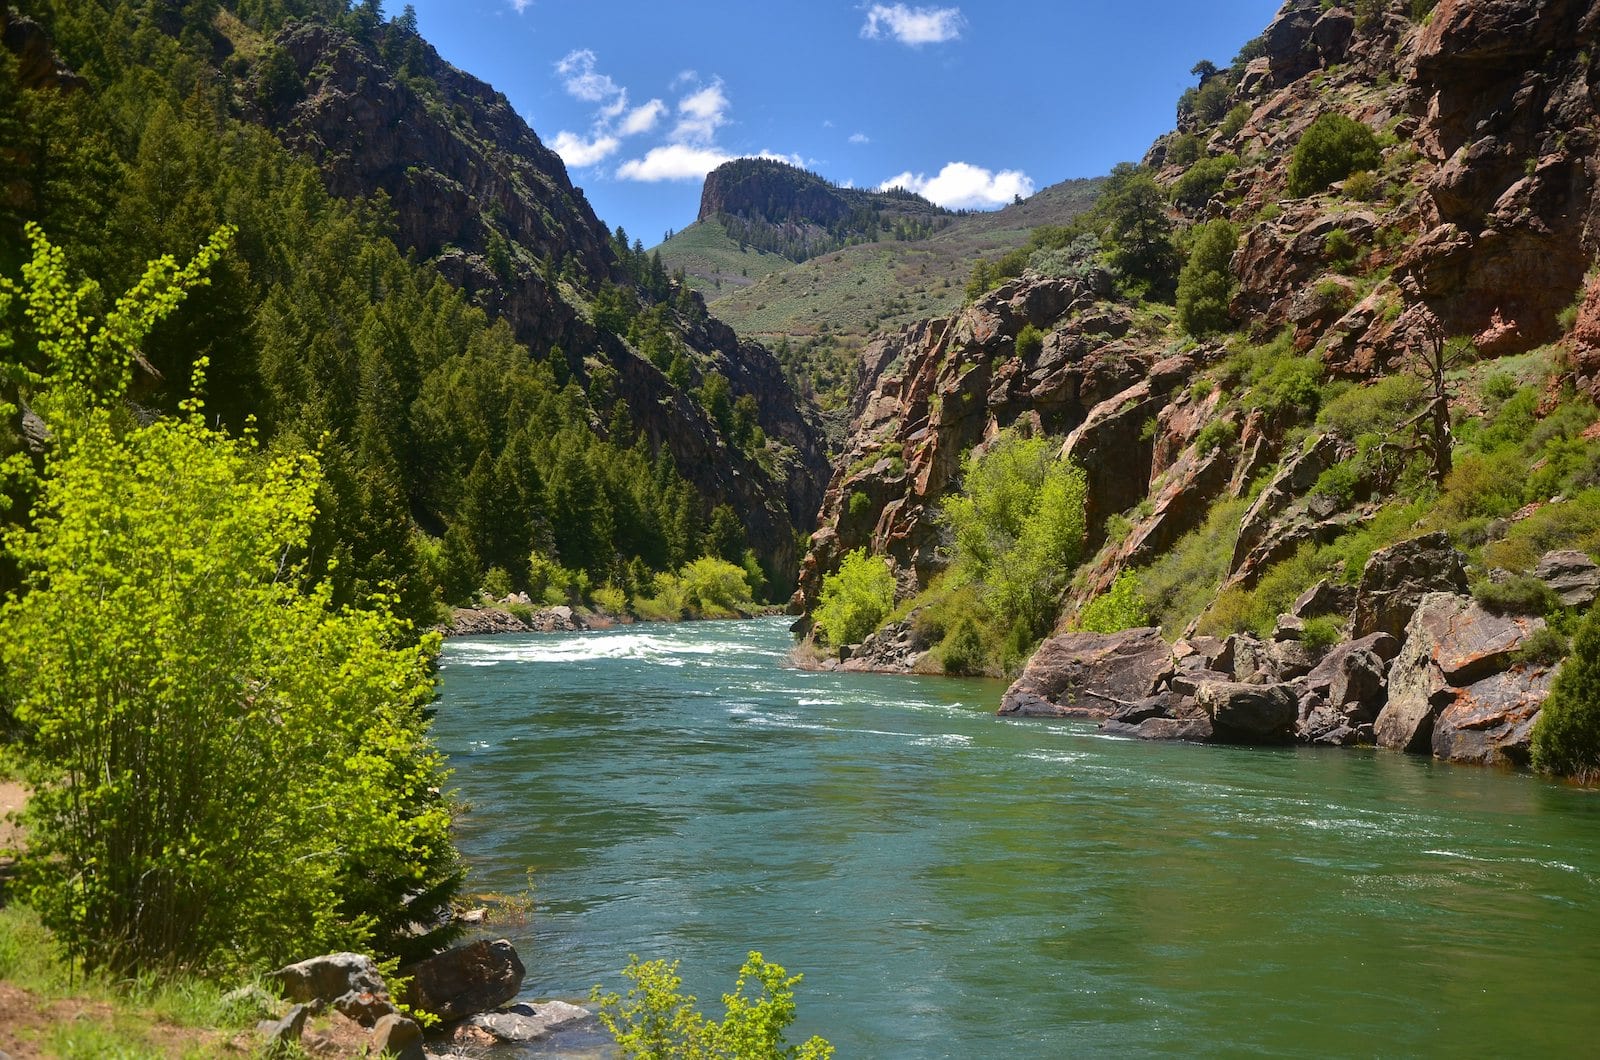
(1450, 643)
(896, 648)
(466, 980)
(1396, 578)
(1343, 693)
(1571, 575)
(1242, 713)
(350, 982)
(1088, 675)
(1490, 722)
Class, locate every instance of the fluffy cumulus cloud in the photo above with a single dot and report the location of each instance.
(914, 26)
(701, 113)
(580, 76)
(860, 138)
(583, 81)
(688, 150)
(961, 186)
(519, 6)
(686, 162)
(642, 118)
(579, 152)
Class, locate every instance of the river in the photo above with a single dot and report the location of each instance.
(957, 885)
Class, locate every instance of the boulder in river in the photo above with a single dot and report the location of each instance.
(466, 980)
(1243, 713)
(1089, 675)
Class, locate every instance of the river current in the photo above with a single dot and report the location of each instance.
(953, 884)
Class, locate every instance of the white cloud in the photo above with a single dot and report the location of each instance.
(860, 138)
(520, 5)
(577, 152)
(583, 82)
(672, 162)
(685, 162)
(703, 112)
(914, 26)
(642, 118)
(960, 186)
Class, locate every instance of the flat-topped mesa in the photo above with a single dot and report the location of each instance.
(762, 189)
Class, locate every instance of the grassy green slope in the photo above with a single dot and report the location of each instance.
(864, 288)
(713, 262)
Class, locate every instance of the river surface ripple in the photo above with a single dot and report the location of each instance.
(957, 885)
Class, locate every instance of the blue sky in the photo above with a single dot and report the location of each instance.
(967, 103)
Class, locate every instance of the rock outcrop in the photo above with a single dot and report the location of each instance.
(1452, 646)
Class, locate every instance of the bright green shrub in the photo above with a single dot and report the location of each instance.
(1030, 340)
(854, 600)
(963, 651)
(655, 1021)
(1566, 738)
(610, 599)
(1520, 594)
(1120, 607)
(245, 773)
(1333, 147)
(1206, 281)
(1216, 434)
(859, 504)
(1234, 120)
(1018, 526)
(1373, 409)
(1203, 180)
(1322, 632)
(1183, 580)
(1185, 150)
(715, 588)
(1574, 523)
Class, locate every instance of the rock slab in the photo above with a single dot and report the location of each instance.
(1089, 675)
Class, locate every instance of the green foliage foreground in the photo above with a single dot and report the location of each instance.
(239, 770)
(656, 1021)
(1566, 739)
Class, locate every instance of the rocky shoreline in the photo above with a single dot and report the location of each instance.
(494, 619)
(1424, 668)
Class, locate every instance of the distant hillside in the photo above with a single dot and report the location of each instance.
(819, 314)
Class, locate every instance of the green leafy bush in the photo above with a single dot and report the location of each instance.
(657, 1022)
(1373, 409)
(610, 599)
(1018, 526)
(1331, 148)
(854, 600)
(963, 651)
(1206, 281)
(1203, 180)
(859, 504)
(1215, 435)
(1120, 607)
(1185, 150)
(1545, 646)
(245, 773)
(1030, 340)
(1233, 121)
(1566, 738)
(1184, 579)
(1322, 632)
(1520, 594)
(1362, 186)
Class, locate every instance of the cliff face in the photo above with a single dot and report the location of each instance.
(1482, 225)
(474, 192)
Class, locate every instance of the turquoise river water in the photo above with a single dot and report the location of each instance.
(957, 885)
